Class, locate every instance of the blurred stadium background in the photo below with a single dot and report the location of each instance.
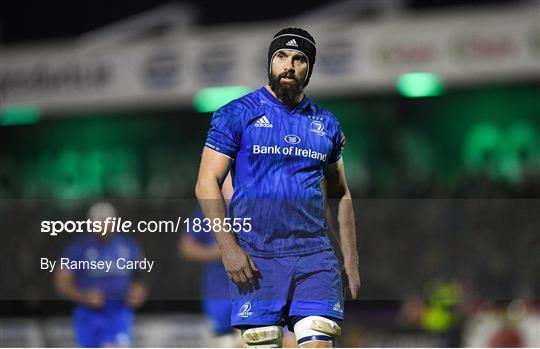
(439, 100)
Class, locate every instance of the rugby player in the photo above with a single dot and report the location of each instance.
(105, 300)
(280, 148)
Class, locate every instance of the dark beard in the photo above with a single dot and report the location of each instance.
(288, 94)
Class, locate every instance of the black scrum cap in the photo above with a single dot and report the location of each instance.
(293, 39)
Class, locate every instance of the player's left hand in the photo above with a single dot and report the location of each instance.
(353, 279)
(136, 295)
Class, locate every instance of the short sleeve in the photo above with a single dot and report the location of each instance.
(226, 130)
(338, 145)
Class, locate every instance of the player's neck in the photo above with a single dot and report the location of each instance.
(298, 99)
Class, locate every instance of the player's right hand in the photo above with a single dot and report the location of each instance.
(94, 298)
(239, 265)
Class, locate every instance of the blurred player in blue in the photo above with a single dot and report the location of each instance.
(105, 300)
(284, 154)
(200, 246)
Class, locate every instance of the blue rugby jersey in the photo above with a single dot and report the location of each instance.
(116, 282)
(279, 156)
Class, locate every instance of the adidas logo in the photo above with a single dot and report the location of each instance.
(337, 307)
(263, 122)
(291, 43)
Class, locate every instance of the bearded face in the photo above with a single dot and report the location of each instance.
(288, 91)
(289, 70)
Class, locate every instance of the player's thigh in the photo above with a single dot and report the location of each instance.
(318, 288)
(218, 311)
(88, 328)
(264, 302)
(119, 329)
(317, 331)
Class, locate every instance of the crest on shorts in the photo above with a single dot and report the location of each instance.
(245, 310)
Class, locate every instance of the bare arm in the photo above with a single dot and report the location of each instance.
(137, 293)
(192, 250)
(340, 202)
(213, 169)
(64, 282)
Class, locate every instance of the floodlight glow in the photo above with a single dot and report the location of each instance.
(420, 84)
(19, 115)
(210, 99)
